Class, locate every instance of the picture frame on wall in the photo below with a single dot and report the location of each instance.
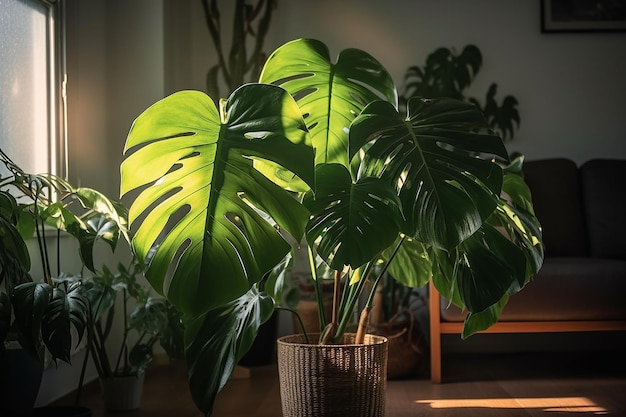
(583, 15)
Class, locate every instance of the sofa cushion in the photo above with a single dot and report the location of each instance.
(602, 182)
(555, 189)
(565, 289)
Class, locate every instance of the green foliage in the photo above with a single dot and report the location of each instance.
(45, 313)
(46, 308)
(213, 154)
(337, 198)
(447, 73)
(217, 340)
(319, 148)
(329, 94)
(146, 321)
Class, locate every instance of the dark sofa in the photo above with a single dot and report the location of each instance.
(582, 284)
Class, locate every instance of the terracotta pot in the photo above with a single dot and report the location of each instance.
(345, 380)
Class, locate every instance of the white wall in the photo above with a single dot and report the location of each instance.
(570, 86)
(115, 71)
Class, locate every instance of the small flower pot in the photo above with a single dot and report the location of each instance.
(122, 393)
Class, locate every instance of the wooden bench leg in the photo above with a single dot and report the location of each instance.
(434, 302)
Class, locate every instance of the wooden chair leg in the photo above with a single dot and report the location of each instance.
(434, 302)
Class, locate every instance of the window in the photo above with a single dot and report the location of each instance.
(32, 128)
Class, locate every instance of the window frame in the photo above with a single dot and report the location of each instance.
(56, 158)
(57, 81)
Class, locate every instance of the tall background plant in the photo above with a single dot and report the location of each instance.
(448, 73)
(237, 64)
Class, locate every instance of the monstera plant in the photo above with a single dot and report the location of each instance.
(318, 150)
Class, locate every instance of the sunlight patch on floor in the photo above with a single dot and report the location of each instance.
(557, 404)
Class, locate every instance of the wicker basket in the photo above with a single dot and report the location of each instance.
(345, 380)
(407, 349)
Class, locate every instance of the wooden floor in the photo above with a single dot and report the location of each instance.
(511, 385)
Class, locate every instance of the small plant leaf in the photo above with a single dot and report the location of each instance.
(30, 301)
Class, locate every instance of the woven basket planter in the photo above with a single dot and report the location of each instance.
(407, 349)
(344, 380)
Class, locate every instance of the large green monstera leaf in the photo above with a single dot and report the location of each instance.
(449, 197)
(446, 192)
(411, 265)
(351, 222)
(495, 262)
(330, 94)
(199, 196)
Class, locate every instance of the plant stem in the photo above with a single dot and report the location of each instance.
(216, 37)
(83, 370)
(58, 252)
(123, 348)
(255, 62)
(356, 290)
(99, 352)
(382, 272)
(336, 298)
(346, 293)
(363, 323)
(237, 56)
(41, 238)
(319, 296)
(294, 312)
(356, 293)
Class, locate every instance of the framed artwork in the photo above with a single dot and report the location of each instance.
(583, 15)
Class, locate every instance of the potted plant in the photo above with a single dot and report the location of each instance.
(319, 149)
(146, 321)
(447, 73)
(44, 311)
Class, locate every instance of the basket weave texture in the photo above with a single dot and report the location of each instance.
(344, 380)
